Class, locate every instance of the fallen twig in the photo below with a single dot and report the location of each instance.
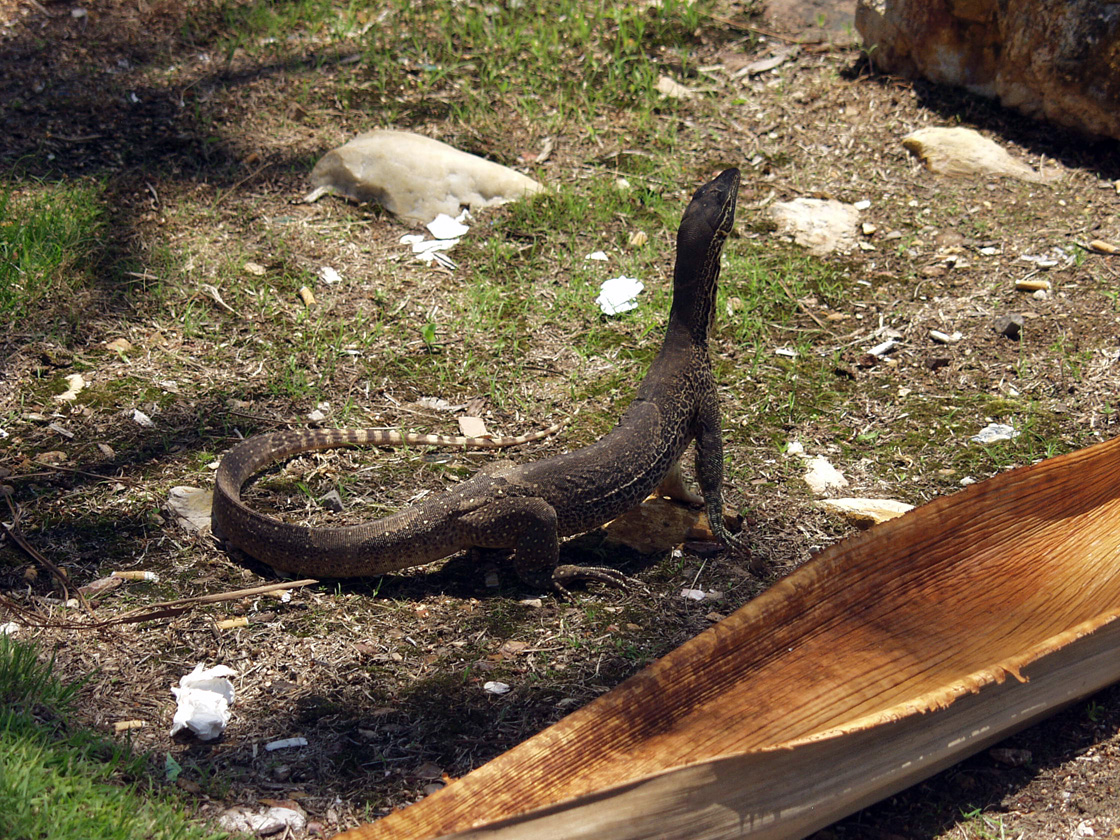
(152, 612)
(16, 536)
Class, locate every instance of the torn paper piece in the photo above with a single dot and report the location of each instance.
(428, 250)
(328, 275)
(75, 383)
(619, 295)
(444, 227)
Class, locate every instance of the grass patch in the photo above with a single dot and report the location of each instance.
(61, 781)
(438, 60)
(48, 243)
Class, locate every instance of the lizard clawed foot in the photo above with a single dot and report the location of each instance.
(604, 574)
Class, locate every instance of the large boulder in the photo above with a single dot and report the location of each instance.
(415, 177)
(1051, 59)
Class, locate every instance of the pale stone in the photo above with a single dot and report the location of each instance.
(962, 152)
(673, 89)
(659, 524)
(191, 507)
(863, 513)
(819, 224)
(1057, 60)
(416, 177)
(822, 477)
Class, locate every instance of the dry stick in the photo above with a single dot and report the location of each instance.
(248, 177)
(163, 609)
(802, 306)
(17, 537)
(744, 27)
(58, 468)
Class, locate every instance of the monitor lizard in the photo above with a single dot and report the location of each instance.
(526, 507)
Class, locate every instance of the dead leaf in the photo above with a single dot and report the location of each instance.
(76, 383)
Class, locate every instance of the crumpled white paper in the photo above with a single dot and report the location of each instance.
(445, 227)
(204, 697)
(619, 295)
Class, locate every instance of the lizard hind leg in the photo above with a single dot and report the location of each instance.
(527, 524)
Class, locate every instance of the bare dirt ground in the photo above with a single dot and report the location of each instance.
(204, 154)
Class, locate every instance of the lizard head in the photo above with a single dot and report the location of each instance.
(711, 213)
(707, 221)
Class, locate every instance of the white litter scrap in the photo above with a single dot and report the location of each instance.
(431, 250)
(262, 822)
(822, 477)
(618, 295)
(882, 349)
(204, 697)
(993, 433)
(495, 687)
(328, 275)
(75, 383)
(285, 744)
(598, 256)
(444, 227)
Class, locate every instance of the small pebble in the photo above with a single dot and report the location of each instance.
(1009, 325)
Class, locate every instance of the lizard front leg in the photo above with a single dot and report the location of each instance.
(527, 524)
(709, 468)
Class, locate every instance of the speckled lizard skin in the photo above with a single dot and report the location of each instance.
(528, 507)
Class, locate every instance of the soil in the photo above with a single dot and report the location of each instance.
(385, 679)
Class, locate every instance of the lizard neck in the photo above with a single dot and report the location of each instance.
(694, 301)
(707, 222)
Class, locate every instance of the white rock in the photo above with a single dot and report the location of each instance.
(191, 507)
(416, 177)
(993, 433)
(821, 225)
(822, 477)
(962, 152)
